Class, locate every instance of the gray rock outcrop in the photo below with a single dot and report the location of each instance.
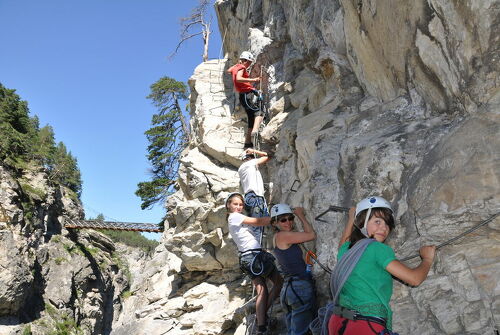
(53, 279)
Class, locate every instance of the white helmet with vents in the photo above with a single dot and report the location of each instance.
(248, 56)
(369, 203)
(280, 209)
(372, 202)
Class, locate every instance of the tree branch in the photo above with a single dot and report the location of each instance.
(182, 41)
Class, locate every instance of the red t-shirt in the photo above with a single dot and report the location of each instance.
(241, 87)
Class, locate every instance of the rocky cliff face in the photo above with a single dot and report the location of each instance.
(398, 99)
(53, 280)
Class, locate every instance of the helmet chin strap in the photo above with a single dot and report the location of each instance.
(364, 230)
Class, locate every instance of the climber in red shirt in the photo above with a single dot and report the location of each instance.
(243, 85)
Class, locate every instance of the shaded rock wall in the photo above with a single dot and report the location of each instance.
(51, 277)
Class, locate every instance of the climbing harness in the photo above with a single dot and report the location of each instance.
(252, 100)
(289, 284)
(257, 264)
(468, 231)
(353, 315)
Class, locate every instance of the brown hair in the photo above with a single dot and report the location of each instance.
(229, 200)
(383, 213)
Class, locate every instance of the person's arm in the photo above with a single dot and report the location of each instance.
(263, 156)
(240, 79)
(230, 69)
(348, 227)
(286, 238)
(259, 222)
(417, 275)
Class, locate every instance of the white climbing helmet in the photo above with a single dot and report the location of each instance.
(280, 209)
(229, 196)
(248, 56)
(369, 203)
(372, 202)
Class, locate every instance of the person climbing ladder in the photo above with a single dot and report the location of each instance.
(298, 294)
(252, 183)
(255, 262)
(243, 85)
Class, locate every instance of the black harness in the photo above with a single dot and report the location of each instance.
(289, 283)
(351, 315)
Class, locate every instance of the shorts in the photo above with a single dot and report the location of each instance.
(257, 264)
(252, 109)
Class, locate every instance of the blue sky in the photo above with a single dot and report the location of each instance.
(85, 68)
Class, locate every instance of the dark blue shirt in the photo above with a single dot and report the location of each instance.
(291, 261)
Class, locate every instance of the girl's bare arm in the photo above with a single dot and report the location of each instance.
(417, 275)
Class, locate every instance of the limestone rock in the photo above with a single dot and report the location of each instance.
(16, 278)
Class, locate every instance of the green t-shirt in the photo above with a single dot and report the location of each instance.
(368, 289)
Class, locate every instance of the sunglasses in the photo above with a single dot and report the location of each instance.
(289, 218)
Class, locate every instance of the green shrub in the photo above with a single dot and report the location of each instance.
(33, 192)
(27, 330)
(126, 294)
(64, 325)
(59, 260)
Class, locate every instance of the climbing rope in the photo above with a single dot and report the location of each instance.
(468, 231)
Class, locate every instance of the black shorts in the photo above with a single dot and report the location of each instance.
(257, 264)
(249, 101)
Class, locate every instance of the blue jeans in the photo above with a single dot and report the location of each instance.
(299, 301)
(255, 205)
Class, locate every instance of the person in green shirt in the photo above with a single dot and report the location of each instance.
(363, 302)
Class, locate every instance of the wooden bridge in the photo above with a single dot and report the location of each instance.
(98, 224)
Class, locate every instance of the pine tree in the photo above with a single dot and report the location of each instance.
(15, 128)
(24, 143)
(45, 147)
(65, 169)
(167, 137)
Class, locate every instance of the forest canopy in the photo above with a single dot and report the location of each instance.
(23, 144)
